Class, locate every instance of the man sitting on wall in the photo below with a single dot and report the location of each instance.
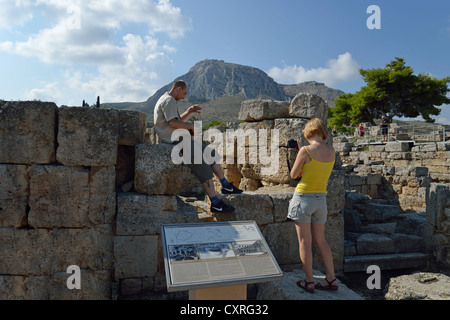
(167, 119)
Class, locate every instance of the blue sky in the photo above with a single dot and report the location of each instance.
(124, 50)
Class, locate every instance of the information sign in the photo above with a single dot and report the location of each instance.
(214, 254)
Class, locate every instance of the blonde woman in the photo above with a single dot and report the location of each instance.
(308, 207)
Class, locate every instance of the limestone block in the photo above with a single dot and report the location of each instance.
(436, 202)
(404, 243)
(12, 287)
(59, 197)
(334, 234)
(27, 132)
(155, 172)
(132, 127)
(371, 243)
(336, 192)
(291, 129)
(286, 289)
(256, 109)
(375, 212)
(281, 204)
(135, 256)
(248, 184)
(102, 196)
(43, 252)
(419, 286)
(87, 136)
(398, 146)
(95, 285)
(252, 206)
(14, 193)
(282, 241)
(139, 214)
(306, 105)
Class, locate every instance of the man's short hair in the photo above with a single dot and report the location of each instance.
(315, 126)
(179, 84)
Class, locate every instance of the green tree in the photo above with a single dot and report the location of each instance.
(393, 91)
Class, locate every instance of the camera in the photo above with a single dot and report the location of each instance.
(292, 144)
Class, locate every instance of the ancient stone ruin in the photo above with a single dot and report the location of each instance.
(89, 187)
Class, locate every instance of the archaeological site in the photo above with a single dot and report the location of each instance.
(91, 187)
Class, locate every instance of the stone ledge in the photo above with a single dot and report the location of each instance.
(287, 289)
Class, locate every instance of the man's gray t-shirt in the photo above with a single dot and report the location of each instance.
(166, 109)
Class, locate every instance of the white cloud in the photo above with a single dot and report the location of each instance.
(101, 34)
(343, 68)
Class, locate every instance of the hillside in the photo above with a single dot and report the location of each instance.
(220, 88)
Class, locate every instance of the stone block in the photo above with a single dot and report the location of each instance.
(87, 136)
(375, 212)
(27, 132)
(336, 192)
(419, 286)
(59, 197)
(155, 172)
(252, 206)
(43, 252)
(256, 110)
(404, 243)
(282, 241)
(286, 289)
(290, 129)
(14, 192)
(139, 214)
(306, 105)
(135, 256)
(132, 127)
(95, 285)
(398, 146)
(371, 243)
(102, 196)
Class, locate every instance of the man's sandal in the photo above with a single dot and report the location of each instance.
(304, 285)
(329, 287)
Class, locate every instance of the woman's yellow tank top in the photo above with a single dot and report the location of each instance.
(315, 176)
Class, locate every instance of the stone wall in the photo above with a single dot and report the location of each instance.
(82, 186)
(438, 217)
(434, 156)
(414, 177)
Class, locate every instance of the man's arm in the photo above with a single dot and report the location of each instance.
(193, 109)
(178, 124)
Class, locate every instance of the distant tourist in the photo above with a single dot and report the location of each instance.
(384, 128)
(308, 207)
(361, 130)
(335, 132)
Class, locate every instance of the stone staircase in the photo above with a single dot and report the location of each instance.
(377, 232)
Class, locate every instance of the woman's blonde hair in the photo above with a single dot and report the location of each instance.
(314, 127)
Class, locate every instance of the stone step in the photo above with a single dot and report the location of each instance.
(378, 212)
(386, 261)
(373, 243)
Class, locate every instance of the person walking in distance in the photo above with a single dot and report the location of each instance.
(308, 207)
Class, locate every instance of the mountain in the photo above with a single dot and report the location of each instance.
(313, 87)
(213, 79)
(220, 87)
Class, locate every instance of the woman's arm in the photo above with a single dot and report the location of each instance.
(296, 170)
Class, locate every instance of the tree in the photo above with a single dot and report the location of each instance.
(394, 92)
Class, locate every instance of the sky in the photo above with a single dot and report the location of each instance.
(67, 51)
